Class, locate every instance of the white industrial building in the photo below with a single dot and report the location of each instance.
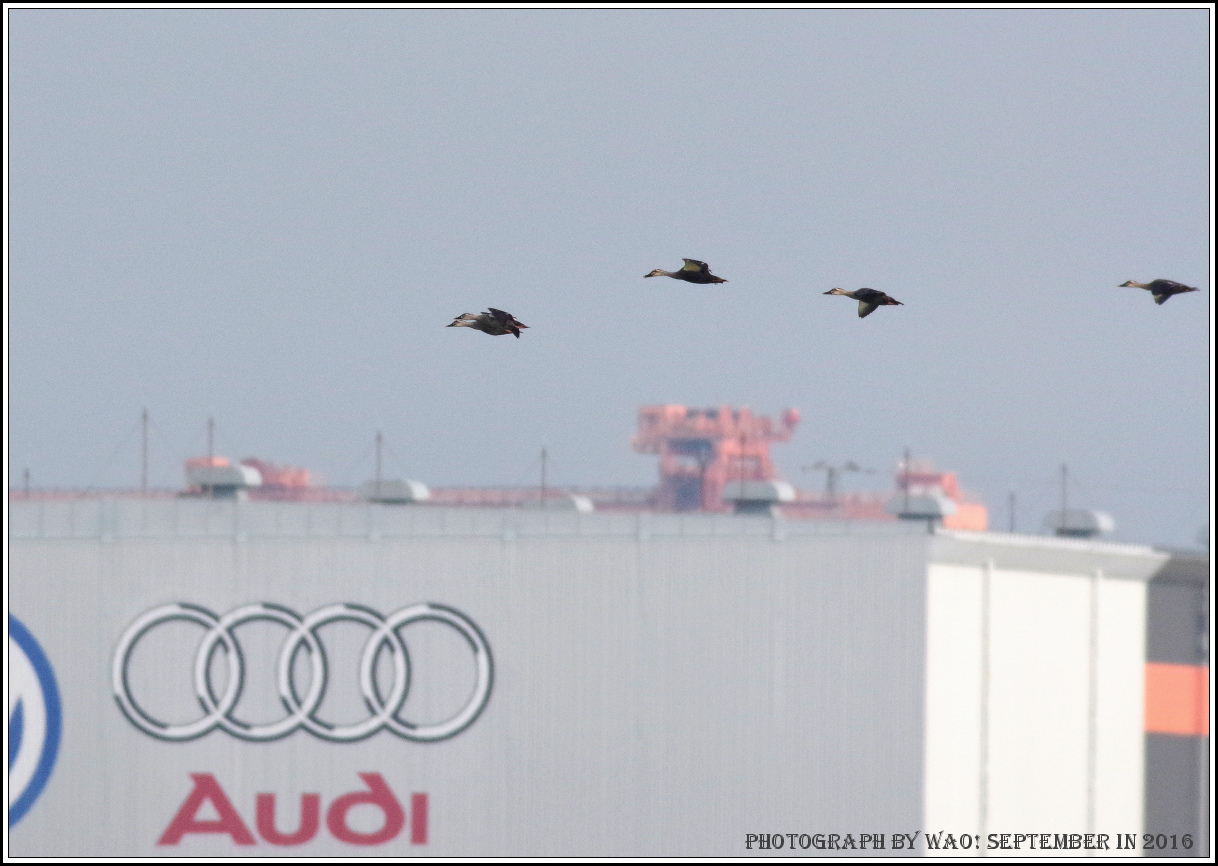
(587, 684)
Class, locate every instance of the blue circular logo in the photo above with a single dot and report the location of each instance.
(34, 720)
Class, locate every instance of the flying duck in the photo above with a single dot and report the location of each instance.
(493, 322)
(868, 299)
(1161, 289)
(694, 271)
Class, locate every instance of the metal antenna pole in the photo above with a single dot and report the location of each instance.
(704, 458)
(905, 480)
(144, 453)
(741, 463)
(211, 440)
(1064, 498)
(27, 482)
(379, 444)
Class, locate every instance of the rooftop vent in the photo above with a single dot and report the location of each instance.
(757, 497)
(394, 491)
(223, 482)
(1079, 523)
(924, 506)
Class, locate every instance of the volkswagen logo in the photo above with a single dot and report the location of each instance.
(34, 720)
(302, 709)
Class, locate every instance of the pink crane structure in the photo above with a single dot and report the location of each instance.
(703, 450)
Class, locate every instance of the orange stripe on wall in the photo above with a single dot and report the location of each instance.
(1177, 699)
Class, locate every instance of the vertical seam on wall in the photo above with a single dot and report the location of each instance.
(1093, 677)
(983, 795)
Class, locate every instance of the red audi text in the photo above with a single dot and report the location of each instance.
(378, 794)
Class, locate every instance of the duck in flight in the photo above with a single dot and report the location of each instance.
(694, 271)
(1161, 289)
(493, 322)
(868, 299)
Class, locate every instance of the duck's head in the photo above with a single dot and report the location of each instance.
(656, 273)
(1132, 284)
(836, 292)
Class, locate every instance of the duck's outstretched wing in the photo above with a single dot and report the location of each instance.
(1161, 297)
(695, 266)
(866, 308)
(510, 323)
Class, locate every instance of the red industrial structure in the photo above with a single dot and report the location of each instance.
(291, 484)
(283, 479)
(201, 462)
(701, 450)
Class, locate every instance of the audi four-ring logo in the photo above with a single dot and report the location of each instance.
(302, 710)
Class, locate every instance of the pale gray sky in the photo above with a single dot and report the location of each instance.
(269, 216)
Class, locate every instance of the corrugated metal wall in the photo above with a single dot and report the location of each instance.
(662, 685)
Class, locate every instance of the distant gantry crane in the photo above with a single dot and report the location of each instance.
(702, 450)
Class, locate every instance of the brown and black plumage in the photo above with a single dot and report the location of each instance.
(493, 322)
(694, 271)
(1161, 289)
(868, 299)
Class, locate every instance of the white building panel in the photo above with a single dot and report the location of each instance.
(1035, 689)
(954, 782)
(1039, 653)
(1120, 735)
